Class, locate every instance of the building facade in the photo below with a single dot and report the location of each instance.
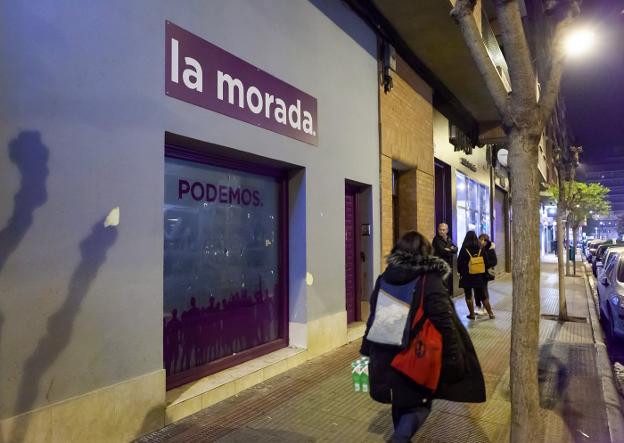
(463, 117)
(406, 157)
(167, 244)
(156, 233)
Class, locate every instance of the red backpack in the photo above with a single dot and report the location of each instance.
(422, 360)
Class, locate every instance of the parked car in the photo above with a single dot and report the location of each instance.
(591, 248)
(598, 257)
(611, 295)
(610, 256)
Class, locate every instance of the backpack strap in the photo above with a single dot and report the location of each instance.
(419, 316)
(469, 252)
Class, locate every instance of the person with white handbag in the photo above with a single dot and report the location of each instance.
(408, 297)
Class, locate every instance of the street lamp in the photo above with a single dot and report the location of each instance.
(579, 41)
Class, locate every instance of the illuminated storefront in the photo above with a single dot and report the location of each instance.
(473, 206)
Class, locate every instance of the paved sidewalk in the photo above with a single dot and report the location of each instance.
(315, 402)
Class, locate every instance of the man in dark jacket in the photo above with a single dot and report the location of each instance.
(461, 378)
(444, 248)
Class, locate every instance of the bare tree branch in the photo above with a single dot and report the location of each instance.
(517, 53)
(550, 93)
(462, 13)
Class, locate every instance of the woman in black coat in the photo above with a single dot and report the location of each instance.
(489, 251)
(472, 282)
(461, 379)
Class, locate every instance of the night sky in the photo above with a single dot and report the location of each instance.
(593, 86)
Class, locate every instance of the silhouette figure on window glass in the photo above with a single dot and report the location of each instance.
(189, 334)
(172, 343)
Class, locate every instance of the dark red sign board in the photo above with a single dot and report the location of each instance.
(205, 75)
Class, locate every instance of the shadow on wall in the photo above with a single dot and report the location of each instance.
(93, 251)
(30, 156)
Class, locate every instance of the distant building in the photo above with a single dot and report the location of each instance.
(608, 171)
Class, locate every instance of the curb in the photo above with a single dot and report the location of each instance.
(615, 419)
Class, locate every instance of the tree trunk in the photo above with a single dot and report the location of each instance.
(524, 121)
(563, 308)
(567, 246)
(572, 179)
(526, 424)
(574, 240)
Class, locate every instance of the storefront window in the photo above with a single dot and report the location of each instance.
(484, 210)
(461, 224)
(473, 207)
(462, 191)
(221, 263)
(473, 197)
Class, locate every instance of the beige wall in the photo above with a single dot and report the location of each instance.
(406, 116)
(386, 206)
(408, 201)
(114, 414)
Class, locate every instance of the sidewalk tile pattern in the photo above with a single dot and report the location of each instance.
(315, 402)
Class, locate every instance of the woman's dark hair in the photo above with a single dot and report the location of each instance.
(413, 243)
(471, 241)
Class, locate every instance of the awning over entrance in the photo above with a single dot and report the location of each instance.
(426, 26)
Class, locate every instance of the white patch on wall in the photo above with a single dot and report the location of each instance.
(112, 219)
(309, 279)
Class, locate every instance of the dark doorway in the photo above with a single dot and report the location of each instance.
(443, 196)
(395, 206)
(351, 253)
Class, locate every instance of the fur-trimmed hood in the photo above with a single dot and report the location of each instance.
(419, 264)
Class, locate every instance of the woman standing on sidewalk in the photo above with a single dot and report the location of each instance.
(489, 251)
(460, 380)
(471, 281)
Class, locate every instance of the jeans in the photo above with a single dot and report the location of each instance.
(407, 421)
